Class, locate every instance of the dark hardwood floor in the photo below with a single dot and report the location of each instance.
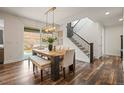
(106, 71)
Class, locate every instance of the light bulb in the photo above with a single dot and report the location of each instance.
(46, 30)
(54, 27)
(121, 19)
(107, 13)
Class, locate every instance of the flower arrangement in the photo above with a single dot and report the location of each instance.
(50, 40)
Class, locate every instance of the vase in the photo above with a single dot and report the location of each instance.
(50, 47)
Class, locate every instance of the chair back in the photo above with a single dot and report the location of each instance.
(68, 58)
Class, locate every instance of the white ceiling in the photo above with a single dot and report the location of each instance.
(67, 14)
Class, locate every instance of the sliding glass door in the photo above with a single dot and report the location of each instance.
(31, 40)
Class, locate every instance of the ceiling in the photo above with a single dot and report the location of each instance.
(67, 14)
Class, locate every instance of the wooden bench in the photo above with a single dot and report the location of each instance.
(39, 63)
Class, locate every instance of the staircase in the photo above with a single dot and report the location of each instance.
(80, 42)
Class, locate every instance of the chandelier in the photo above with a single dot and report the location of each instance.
(49, 28)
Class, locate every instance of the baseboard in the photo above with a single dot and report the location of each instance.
(81, 61)
(106, 55)
(12, 61)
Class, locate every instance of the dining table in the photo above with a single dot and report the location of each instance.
(55, 56)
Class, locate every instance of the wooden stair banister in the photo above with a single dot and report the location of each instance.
(76, 23)
(90, 46)
(82, 38)
(71, 33)
(91, 52)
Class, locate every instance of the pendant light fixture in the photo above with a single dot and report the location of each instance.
(49, 28)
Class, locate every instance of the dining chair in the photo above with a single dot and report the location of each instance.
(61, 48)
(68, 60)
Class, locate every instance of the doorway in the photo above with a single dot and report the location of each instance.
(31, 40)
(1, 41)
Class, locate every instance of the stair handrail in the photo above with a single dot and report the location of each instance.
(79, 35)
(81, 27)
(90, 45)
(77, 23)
(82, 38)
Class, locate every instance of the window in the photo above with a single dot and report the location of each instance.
(31, 38)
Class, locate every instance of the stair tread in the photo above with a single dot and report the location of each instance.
(80, 46)
(85, 51)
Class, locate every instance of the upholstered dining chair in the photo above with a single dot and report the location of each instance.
(68, 60)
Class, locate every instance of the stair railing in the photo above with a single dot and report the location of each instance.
(86, 44)
(81, 40)
(77, 28)
(76, 23)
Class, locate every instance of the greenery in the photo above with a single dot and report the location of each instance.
(51, 40)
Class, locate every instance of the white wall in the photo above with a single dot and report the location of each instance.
(68, 43)
(113, 40)
(13, 36)
(31, 23)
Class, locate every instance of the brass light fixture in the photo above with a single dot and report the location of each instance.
(49, 28)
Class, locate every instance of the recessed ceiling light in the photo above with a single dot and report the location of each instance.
(121, 19)
(107, 13)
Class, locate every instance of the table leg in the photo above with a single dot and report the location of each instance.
(41, 75)
(33, 68)
(55, 68)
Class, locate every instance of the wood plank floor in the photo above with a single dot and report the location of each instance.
(106, 71)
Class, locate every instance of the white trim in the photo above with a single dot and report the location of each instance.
(12, 61)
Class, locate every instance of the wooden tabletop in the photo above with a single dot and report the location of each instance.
(49, 53)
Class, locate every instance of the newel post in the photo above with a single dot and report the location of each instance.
(91, 53)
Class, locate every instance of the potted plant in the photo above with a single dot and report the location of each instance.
(50, 41)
